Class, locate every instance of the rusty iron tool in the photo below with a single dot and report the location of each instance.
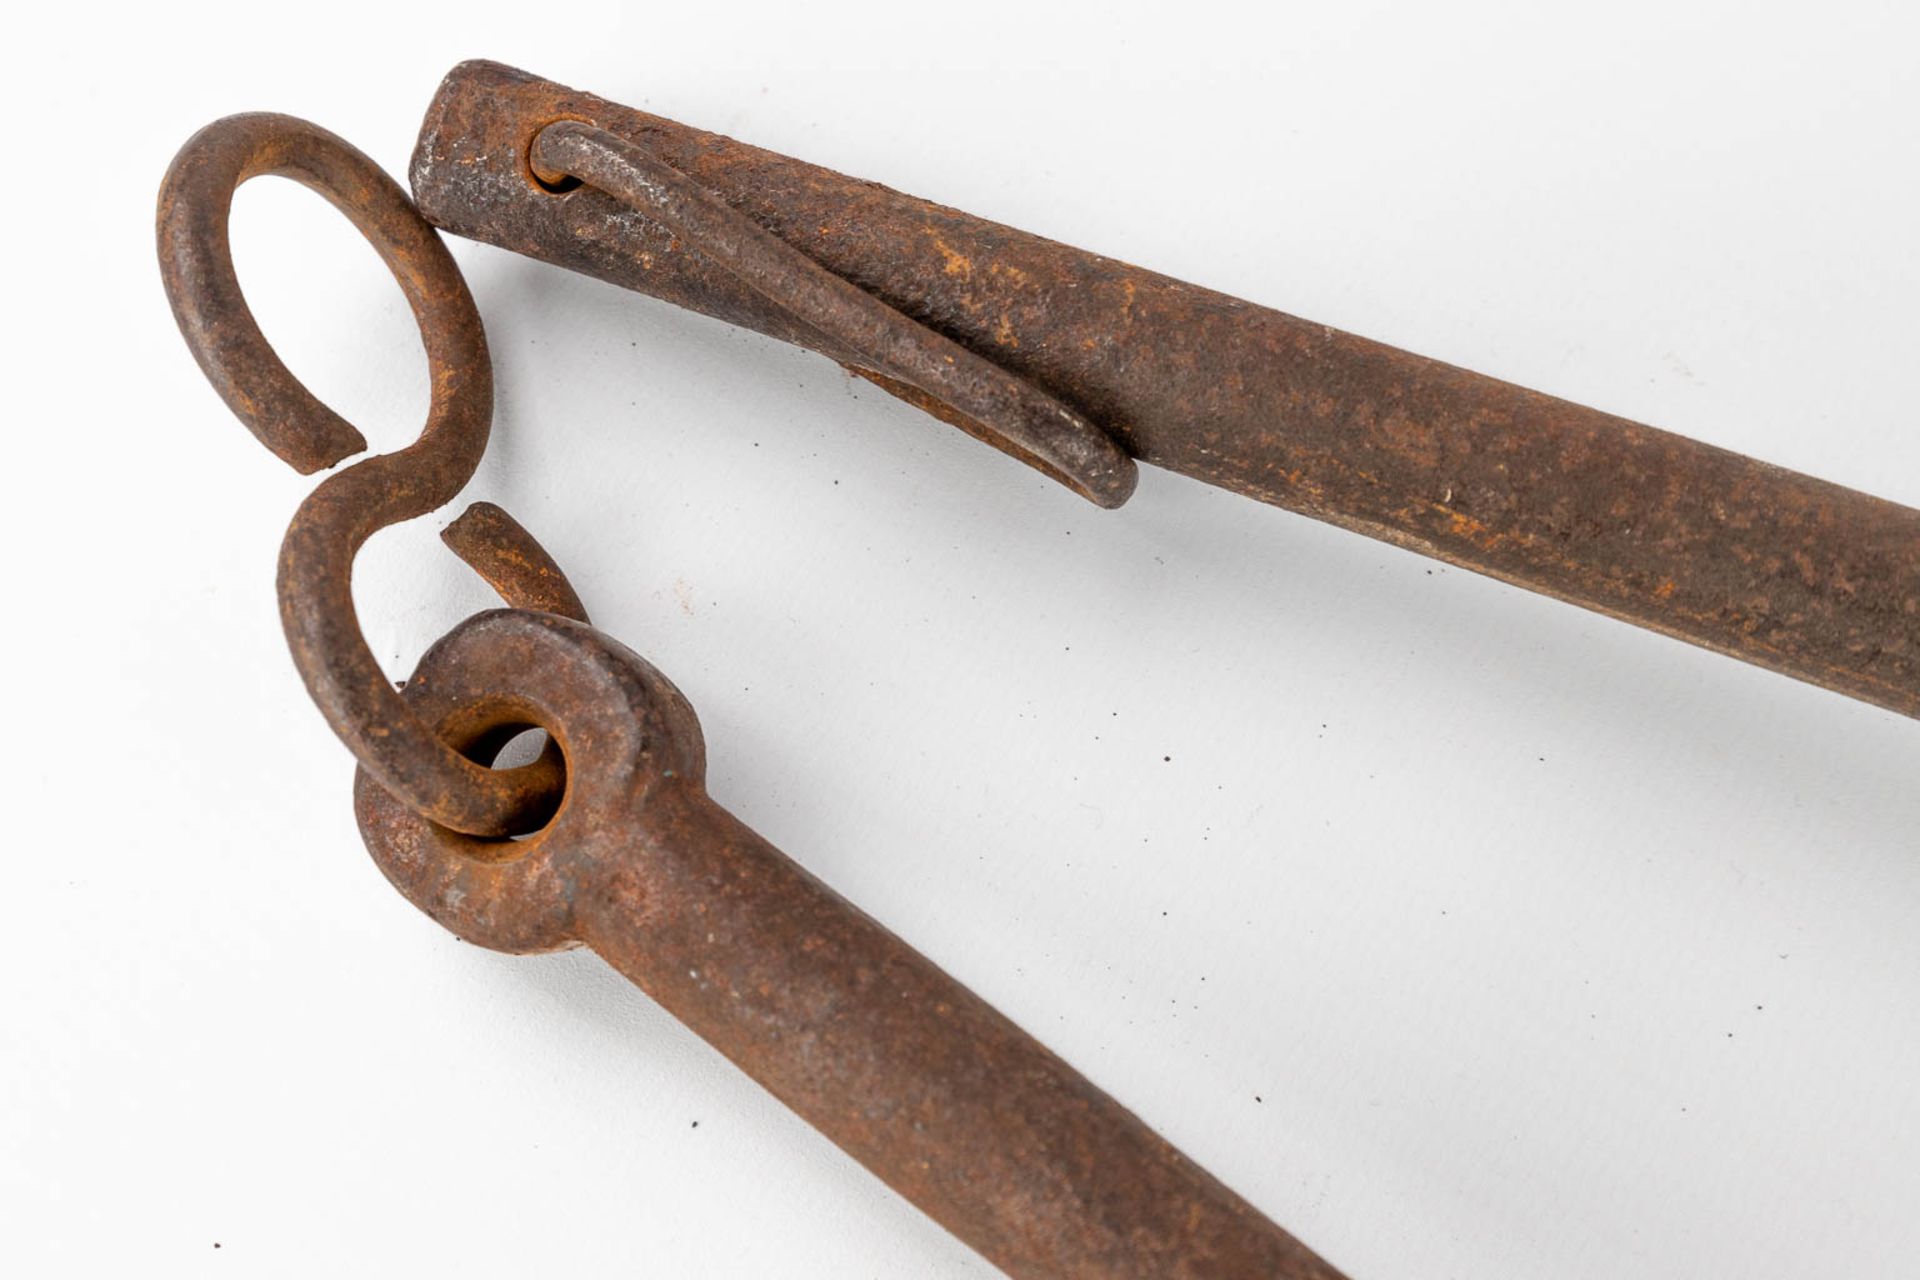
(1791, 573)
(316, 557)
(622, 849)
(941, 1096)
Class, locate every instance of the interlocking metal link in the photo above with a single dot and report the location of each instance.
(316, 557)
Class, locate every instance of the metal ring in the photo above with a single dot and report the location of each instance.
(629, 736)
(316, 558)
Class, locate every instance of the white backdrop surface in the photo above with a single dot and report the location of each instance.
(1464, 933)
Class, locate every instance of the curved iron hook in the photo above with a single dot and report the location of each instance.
(316, 557)
(896, 352)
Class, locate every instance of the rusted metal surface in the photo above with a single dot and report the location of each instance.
(913, 1075)
(983, 398)
(316, 557)
(1779, 569)
(946, 1100)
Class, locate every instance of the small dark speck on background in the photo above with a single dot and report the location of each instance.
(1258, 1098)
(696, 1124)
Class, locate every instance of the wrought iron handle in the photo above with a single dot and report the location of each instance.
(1786, 571)
(943, 1098)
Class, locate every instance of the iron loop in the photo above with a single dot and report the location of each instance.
(316, 557)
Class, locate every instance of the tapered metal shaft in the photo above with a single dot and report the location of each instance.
(920, 1080)
(1783, 570)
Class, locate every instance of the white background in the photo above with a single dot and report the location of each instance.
(1465, 933)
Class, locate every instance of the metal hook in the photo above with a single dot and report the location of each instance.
(316, 557)
(890, 348)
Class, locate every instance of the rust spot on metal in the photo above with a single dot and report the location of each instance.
(495, 545)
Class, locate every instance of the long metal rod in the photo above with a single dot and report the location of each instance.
(1782, 570)
(916, 1077)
